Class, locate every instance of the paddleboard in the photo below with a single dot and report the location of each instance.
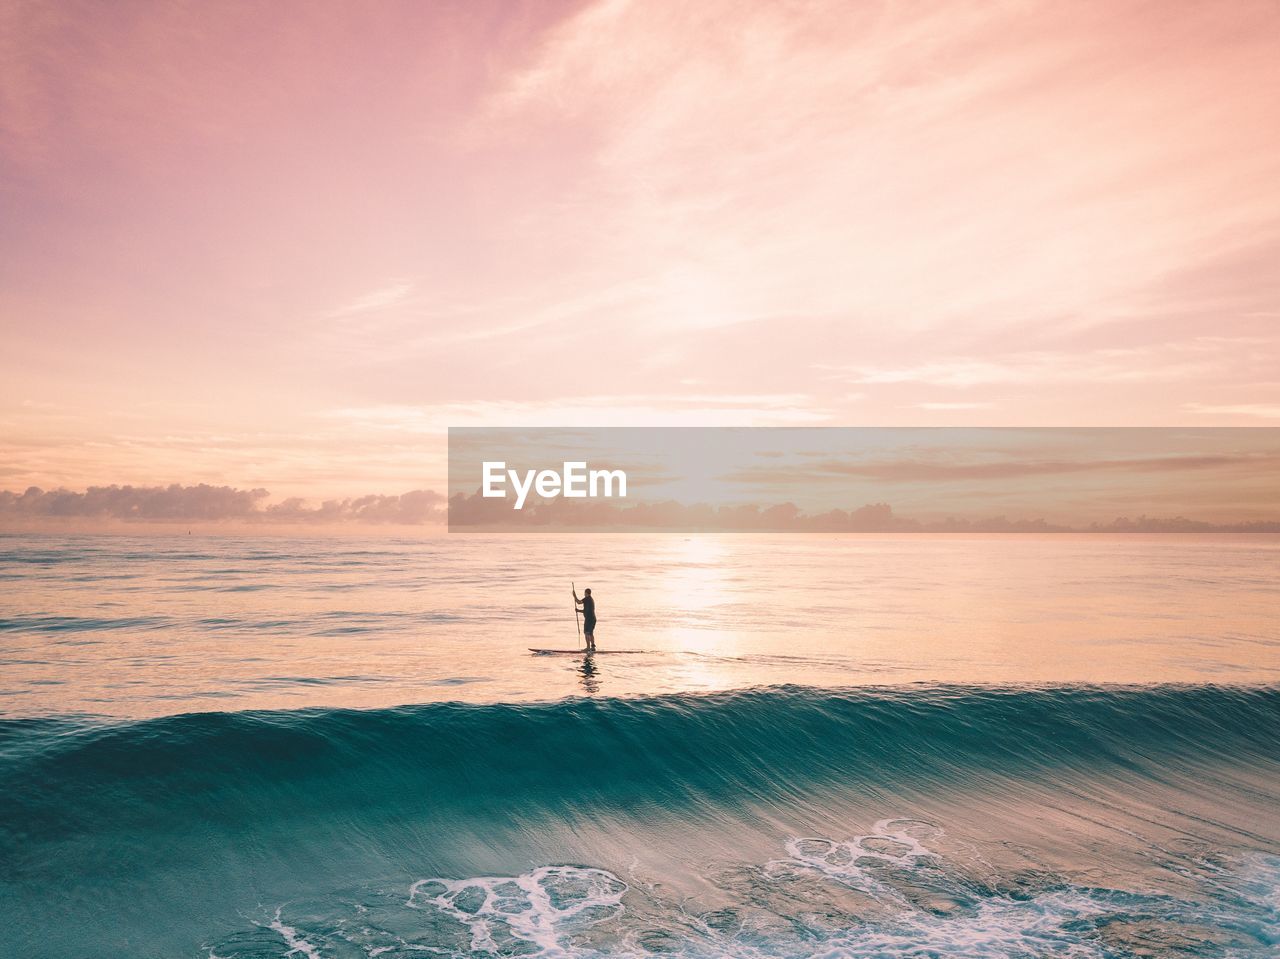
(583, 652)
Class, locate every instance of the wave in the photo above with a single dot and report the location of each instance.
(673, 751)
(509, 828)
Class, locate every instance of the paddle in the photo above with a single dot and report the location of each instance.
(576, 619)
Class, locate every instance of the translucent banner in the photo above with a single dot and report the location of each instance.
(832, 480)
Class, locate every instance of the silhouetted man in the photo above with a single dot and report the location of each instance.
(588, 616)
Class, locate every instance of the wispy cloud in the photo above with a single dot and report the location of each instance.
(1181, 361)
(958, 214)
(1269, 411)
(655, 409)
(376, 300)
(943, 407)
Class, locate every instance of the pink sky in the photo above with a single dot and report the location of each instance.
(285, 245)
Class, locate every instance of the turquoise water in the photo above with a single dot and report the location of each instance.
(246, 748)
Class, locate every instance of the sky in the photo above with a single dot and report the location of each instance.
(284, 246)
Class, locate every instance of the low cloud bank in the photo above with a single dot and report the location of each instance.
(475, 511)
(222, 504)
(226, 504)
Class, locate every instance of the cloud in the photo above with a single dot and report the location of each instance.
(905, 164)
(158, 503)
(413, 509)
(1196, 358)
(619, 409)
(1270, 411)
(922, 471)
(214, 504)
(376, 300)
(206, 504)
(943, 407)
(476, 513)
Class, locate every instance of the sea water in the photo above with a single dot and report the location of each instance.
(826, 746)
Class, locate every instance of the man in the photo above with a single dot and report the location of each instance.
(588, 616)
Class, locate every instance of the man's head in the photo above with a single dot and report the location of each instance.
(586, 592)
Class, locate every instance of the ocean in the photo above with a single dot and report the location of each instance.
(912, 746)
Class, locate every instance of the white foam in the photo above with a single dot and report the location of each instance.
(293, 939)
(534, 907)
(998, 928)
(892, 842)
(550, 912)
